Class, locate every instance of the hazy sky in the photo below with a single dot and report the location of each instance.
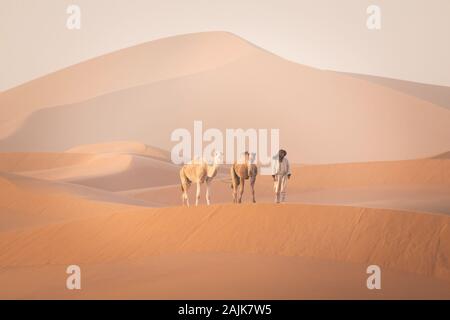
(413, 43)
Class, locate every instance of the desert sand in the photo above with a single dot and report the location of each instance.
(86, 179)
(414, 185)
(139, 243)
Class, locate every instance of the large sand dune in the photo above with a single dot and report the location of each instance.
(143, 64)
(233, 251)
(412, 242)
(298, 250)
(324, 117)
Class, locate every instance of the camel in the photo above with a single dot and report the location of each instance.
(199, 171)
(240, 172)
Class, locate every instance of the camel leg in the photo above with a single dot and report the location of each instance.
(235, 190)
(208, 183)
(184, 195)
(185, 184)
(197, 196)
(241, 189)
(186, 198)
(234, 184)
(252, 185)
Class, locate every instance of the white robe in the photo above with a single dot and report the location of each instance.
(281, 170)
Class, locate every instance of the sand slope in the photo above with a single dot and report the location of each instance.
(338, 118)
(147, 63)
(248, 251)
(113, 166)
(412, 242)
(219, 276)
(438, 95)
(127, 147)
(27, 201)
(162, 245)
(445, 155)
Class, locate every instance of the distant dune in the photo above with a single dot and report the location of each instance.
(324, 117)
(438, 95)
(445, 155)
(128, 147)
(114, 166)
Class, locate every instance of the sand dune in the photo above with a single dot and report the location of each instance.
(438, 95)
(92, 196)
(445, 155)
(141, 172)
(412, 242)
(143, 64)
(26, 202)
(219, 276)
(352, 120)
(163, 245)
(249, 251)
(22, 162)
(127, 147)
(114, 166)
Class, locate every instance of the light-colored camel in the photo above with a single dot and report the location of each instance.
(240, 172)
(199, 171)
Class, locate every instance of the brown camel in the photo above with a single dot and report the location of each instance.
(198, 171)
(241, 172)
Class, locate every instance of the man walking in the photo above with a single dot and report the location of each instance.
(281, 172)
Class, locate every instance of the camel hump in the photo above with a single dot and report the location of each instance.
(194, 172)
